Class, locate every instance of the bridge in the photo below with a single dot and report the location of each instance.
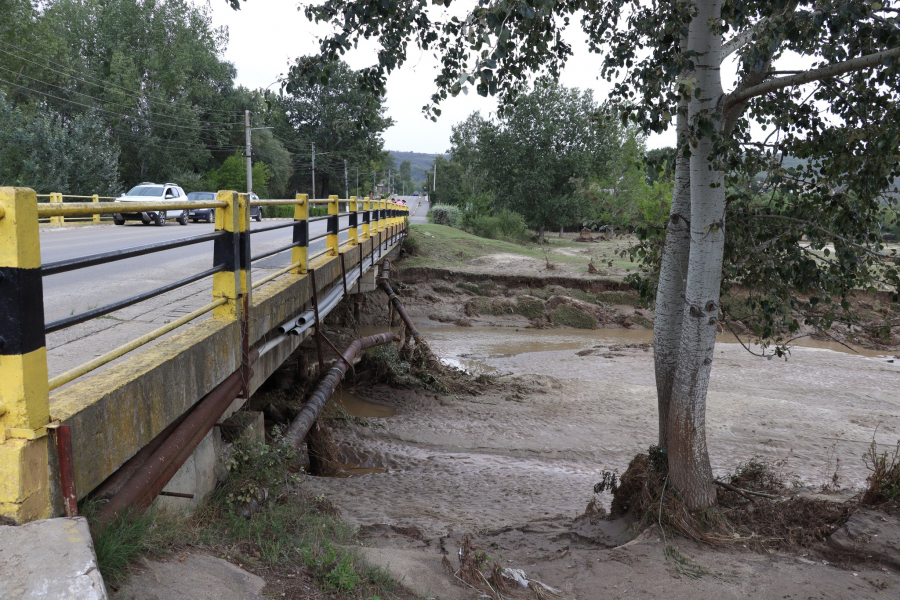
(65, 432)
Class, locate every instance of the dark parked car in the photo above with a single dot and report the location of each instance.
(209, 214)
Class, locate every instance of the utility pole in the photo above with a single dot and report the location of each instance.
(434, 182)
(313, 195)
(390, 183)
(249, 165)
(357, 182)
(374, 177)
(346, 184)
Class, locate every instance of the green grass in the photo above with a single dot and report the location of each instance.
(533, 308)
(289, 532)
(439, 246)
(573, 317)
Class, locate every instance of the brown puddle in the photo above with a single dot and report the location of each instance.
(358, 407)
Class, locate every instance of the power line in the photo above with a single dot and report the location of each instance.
(107, 101)
(103, 84)
(171, 126)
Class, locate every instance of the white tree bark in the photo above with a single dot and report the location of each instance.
(672, 278)
(689, 468)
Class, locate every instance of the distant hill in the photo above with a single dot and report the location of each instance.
(420, 163)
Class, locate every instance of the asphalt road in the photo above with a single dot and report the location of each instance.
(80, 290)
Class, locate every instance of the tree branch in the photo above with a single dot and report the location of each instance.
(835, 70)
(740, 40)
(827, 232)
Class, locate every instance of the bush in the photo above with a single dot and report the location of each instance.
(445, 214)
(506, 224)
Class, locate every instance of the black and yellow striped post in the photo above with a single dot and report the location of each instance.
(300, 253)
(353, 218)
(366, 218)
(331, 240)
(24, 393)
(232, 250)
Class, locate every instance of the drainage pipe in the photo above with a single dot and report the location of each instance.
(302, 423)
(151, 477)
(385, 285)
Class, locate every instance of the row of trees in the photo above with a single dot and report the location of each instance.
(97, 96)
(556, 158)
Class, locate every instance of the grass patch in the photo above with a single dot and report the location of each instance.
(447, 247)
(530, 307)
(621, 298)
(571, 316)
(261, 518)
(642, 321)
(133, 535)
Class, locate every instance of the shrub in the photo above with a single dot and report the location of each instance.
(506, 224)
(445, 214)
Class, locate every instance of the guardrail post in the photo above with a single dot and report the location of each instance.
(353, 232)
(333, 226)
(96, 198)
(300, 254)
(233, 251)
(24, 394)
(55, 198)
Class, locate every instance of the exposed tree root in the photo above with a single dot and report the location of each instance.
(754, 507)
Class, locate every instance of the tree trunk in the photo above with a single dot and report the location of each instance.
(672, 276)
(541, 233)
(560, 231)
(689, 468)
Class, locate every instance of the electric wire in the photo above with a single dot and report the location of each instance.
(101, 83)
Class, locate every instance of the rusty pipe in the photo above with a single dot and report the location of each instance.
(302, 423)
(385, 285)
(63, 435)
(150, 478)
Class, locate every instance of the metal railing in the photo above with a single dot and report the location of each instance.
(58, 198)
(23, 334)
(365, 219)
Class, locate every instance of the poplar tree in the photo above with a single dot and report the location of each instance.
(836, 109)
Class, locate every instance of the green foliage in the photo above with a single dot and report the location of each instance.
(444, 214)
(571, 316)
(232, 175)
(129, 536)
(506, 224)
(50, 153)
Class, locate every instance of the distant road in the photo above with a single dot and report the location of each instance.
(419, 216)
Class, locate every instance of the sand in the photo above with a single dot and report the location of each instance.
(515, 467)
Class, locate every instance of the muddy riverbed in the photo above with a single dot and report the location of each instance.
(516, 465)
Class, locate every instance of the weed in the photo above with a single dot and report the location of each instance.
(642, 321)
(469, 287)
(883, 483)
(684, 566)
(412, 245)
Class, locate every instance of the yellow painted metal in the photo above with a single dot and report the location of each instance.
(57, 221)
(382, 224)
(96, 200)
(63, 379)
(365, 226)
(331, 240)
(25, 434)
(229, 284)
(353, 232)
(74, 209)
(24, 397)
(299, 254)
(275, 275)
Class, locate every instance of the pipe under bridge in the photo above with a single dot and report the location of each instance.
(61, 437)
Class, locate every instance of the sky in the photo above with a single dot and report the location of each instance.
(266, 35)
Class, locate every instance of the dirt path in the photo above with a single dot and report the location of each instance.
(513, 468)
